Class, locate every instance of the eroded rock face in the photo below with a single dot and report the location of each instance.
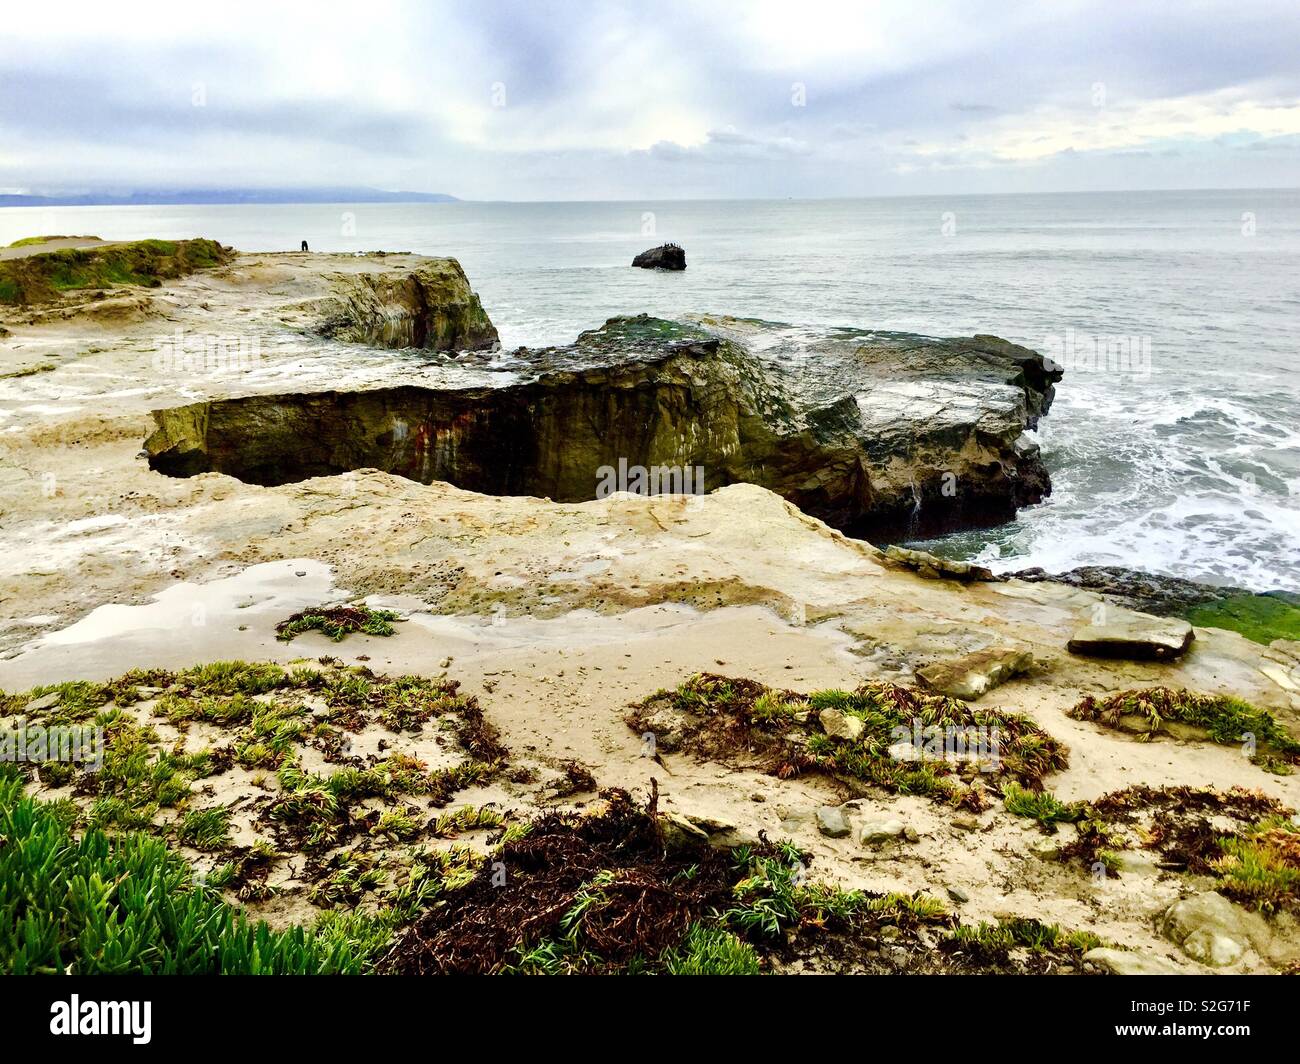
(642, 392)
(428, 306)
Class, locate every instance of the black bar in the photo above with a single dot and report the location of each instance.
(334, 1014)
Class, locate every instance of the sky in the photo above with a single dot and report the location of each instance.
(537, 100)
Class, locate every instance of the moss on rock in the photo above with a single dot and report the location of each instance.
(45, 277)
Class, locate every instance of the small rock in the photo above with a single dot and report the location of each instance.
(679, 833)
(911, 834)
(1213, 930)
(965, 823)
(668, 726)
(1137, 862)
(840, 725)
(445, 663)
(39, 705)
(878, 832)
(1129, 962)
(1045, 850)
(832, 822)
(976, 674)
(958, 895)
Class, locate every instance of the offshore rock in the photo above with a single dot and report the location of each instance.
(664, 257)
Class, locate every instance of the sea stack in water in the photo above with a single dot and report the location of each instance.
(664, 257)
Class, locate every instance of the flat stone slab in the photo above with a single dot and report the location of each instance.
(1135, 636)
(879, 832)
(976, 674)
(936, 568)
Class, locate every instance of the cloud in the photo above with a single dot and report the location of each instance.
(565, 98)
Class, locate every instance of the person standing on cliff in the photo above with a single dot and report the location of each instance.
(304, 246)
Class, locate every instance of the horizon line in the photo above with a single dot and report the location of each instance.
(423, 200)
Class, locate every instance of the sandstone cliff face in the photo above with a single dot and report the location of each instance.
(428, 306)
(883, 436)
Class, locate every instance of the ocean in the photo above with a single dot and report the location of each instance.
(1174, 442)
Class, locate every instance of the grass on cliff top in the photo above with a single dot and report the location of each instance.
(912, 742)
(44, 277)
(32, 241)
(1226, 720)
(1261, 618)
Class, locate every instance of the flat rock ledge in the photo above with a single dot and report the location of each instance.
(872, 441)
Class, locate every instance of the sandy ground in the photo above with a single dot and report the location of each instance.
(555, 616)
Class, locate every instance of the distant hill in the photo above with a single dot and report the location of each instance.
(180, 197)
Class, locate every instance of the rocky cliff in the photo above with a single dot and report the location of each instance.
(883, 435)
(429, 305)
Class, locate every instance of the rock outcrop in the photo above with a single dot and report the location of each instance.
(900, 433)
(430, 306)
(664, 257)
(1260, 616)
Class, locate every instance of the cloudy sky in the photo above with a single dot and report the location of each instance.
(531, 99)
